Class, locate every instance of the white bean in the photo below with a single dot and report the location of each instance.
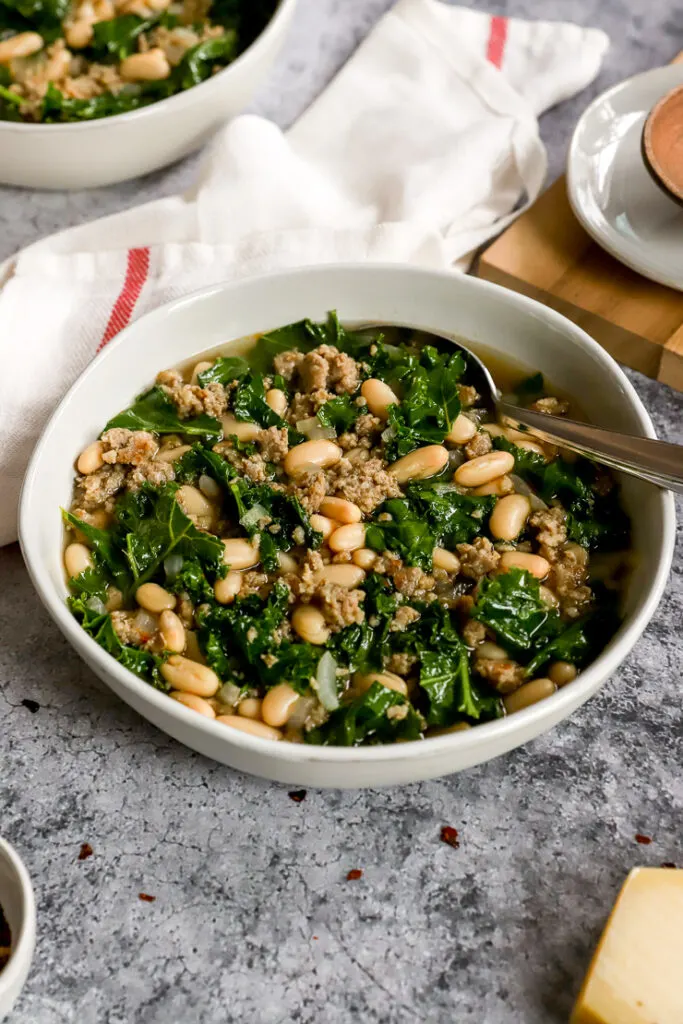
(277, 400)
(172, 631)
(190, 676)
(78, 34)
(344, 575)
(535, 564)
(77, 559)
(340, 509)
(90, 459)
(365, 558)
(348, 538)
(363, 681)
(240, 553)
(209, 488)
(462, 430)
(491, 651)
(194, 703)
(227, 589)
(250, 707)
(310, 624)
(323, 525)
(509, 517)
(562, 672)
(22, 45)
(501, 486)
(286, 563)
(311, 455)
(278, 704)
(528, 694)
(446, 560)
(237, 428)
(151, 66)
(171, 454)
(420, 464)
(193, 502)
(379, 397)
(154, 598)
(248, 725)
(483, 469)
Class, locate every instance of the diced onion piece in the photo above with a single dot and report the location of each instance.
(172, 565)
(522, 487)
(96, 604)
(456, 457)
(326, 678)
(252, 517)
(313, 429)
(145, 621)
(388, 434)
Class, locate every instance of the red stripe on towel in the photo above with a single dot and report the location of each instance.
(136, 275)
(497, 37)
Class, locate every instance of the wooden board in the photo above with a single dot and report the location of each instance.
(547, 255)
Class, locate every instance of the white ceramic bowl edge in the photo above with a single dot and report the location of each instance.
(441, 302)
(18, 903)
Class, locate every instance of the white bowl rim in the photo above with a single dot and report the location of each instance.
(613, 654)
(280, 13)
(22, 945)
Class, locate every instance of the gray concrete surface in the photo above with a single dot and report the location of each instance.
(254, 920)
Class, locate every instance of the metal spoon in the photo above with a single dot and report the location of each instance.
(658, 462)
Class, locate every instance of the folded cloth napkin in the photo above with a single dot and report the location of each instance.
(417, 152)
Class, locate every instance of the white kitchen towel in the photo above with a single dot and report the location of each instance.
(419, 151)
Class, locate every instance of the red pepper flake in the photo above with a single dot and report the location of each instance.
(85, 851)
(146, 898)
(668, 864)
(643, 840)
(354, 875)
(450, 835)
(315, 937)
(297, 795)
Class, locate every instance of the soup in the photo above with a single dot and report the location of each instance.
(321, 535)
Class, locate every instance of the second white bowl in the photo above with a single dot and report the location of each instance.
(112, 149)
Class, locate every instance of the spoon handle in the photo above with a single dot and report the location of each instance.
(658, 462)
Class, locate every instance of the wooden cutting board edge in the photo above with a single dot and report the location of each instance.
(546, 255)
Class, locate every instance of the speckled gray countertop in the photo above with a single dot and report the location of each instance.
(254, 920)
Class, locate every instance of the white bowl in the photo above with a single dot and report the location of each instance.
(441, 302)
(90, 153)
(18, 903)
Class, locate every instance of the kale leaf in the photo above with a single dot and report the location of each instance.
(430, 515)
(118, 37)
(59, 108)
(249, 403)
(406, 533)
(198, 62)
(510, 604)
(340, 413)
(153, 526)
(595, 519)
(530, 388)
(224, 371)
(430, 400)
(154, 411)
(144, 664)
(106, 552)
(366, 719)
(39, 12)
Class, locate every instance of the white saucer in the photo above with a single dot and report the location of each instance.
(610, 190)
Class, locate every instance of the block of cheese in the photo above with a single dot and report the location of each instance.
(636, 976)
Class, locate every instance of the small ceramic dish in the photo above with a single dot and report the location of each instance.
(18, 904)
(86, 154)
(610, 188)
(444, 303)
